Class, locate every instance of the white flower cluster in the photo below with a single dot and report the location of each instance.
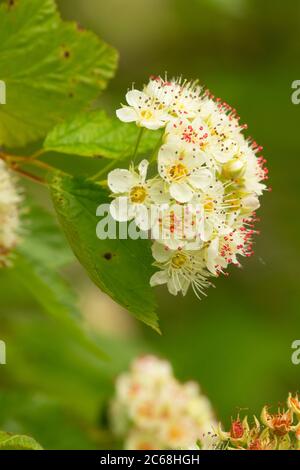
(152, 410)
(199, 205)
(9, 214)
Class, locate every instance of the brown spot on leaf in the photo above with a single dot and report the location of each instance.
(65, 51)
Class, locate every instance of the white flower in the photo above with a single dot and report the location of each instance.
(161, 101)
(220, 118)
(224, 250)
(180, 269)
(186, 101)
(180, 98)
(207, 186)
(9, 214)
(182, 165)
(224, 150)
(213, 211)
(177, 226)
(162, 91)
(156, 411)
(255, 173)
(143, 109)
(135, 195)
(216, 150)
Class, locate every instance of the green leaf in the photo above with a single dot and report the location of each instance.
(47, 287)
(120, 268)
(15, 442)
(38, 258)
(49, 360)
(52, 69)
(36, 265)
(43, 241)
(64, 428)
(95, 134)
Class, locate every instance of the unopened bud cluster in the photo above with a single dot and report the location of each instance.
(152, 410)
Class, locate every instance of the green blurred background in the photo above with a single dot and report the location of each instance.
(236, 342)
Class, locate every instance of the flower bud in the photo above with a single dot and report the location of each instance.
(250, 204)
(294, 404)
(233, 169)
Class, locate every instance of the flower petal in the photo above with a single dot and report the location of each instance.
(135, 97)
(167, 155)
(250, 203)
(181, 192)
(143, 168)
(173, 244)
(153, 124)
(126, 114)
(159, 278)
(160, 252)
(185, 284)
(142, 217)
(120, 180)
(200, 178)
(173, 286)
(157, 192)
(212, 254)
(222, 157)
(208, 229)
(120, 209)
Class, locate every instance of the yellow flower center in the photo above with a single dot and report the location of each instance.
(204, 145)
(177, 172)
(146, 114)
(209, 205)
(138, 194)
(178, 260)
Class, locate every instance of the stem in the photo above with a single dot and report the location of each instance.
(138, 143)
(38, 154)
(29, 176)
(39, 164)
(112, 163)
(13, 161)
(102, 183)
(103, 171)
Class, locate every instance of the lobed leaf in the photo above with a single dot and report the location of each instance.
(51, 69)
(15, 442)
